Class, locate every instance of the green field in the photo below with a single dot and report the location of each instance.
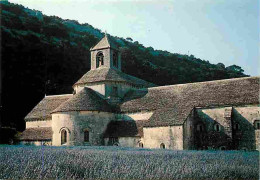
(124, 163)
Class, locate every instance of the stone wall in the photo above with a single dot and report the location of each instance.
(106, 53)
(237, 128)
(171, 136)
(246, 136)
(36, 143)
(122, 88)
(129, 141)
(98, 87)
(76, 122)
(108, 58)
(126, 141)
(210, 137)
(105, 89)
(33, 124)
(188, 132)
(111, 59)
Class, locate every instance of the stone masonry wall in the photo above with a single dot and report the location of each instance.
(171, 136)
(188, 132)
(33, 124)
(76, 123)
(246, 136)
(210, 137)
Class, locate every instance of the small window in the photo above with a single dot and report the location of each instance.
(257, 124)
(236, 126)
(100, 59)
(200, 128)
(86, 136)
(217, 127)
(115, 91)
(162, 146)
(63, 136)
(115, 60)
(141, 145)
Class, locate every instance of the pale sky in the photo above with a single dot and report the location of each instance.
(224, 31)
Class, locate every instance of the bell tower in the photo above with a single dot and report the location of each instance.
(105, 54)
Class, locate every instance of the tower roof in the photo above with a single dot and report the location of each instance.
(85, 100)
(105, 42)
(111, 74)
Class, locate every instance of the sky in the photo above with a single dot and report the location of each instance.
(225, 31)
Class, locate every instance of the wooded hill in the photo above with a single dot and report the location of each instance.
(47, 55)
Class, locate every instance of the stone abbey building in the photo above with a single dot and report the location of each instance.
(109, 107)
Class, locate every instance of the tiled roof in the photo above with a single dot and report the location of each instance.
(105, 42)
(127, 128)
(86, 100)
(172, 104)
(43, 109)
(111, 74)
(36, 134)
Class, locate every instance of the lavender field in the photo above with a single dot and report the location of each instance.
(26, 162)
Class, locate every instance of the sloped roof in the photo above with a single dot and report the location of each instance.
(36, 134)
(128, 128)
(85, 100)
(172, 104)
(111, 74)
(105, 42)
(43, 109)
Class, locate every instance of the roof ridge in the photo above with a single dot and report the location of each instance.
(58, 95)
(105, 42)
(204, 82)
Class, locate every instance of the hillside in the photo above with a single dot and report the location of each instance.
(47, 55)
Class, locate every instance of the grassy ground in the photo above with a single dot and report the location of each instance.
(125, 163)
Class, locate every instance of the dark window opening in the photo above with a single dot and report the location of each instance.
(115, 60)
(258, 125)
(63, 136)
(141, 145)
(113, 141)
(86, 136)
(162, 146)
(200, 128)
(115, 91)
(100, 59)
(217, 127)
(236, 127)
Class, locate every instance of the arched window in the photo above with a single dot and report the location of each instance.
(200, 127)
(222, 148)
(141, 145)
(162, 146)
(115, 60)
(63, 136)
(86, 136)
(217, 127)
(100, 59)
